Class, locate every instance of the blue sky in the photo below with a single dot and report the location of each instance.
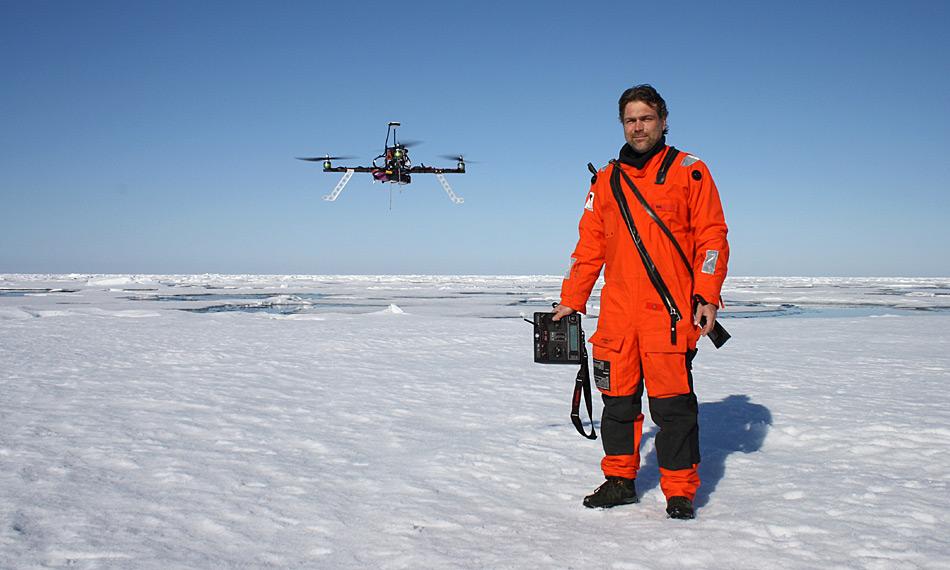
(158, 137)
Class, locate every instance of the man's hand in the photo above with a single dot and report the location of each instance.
(562, 311)
(709, 311)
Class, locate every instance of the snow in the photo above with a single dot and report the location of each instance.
(213, 421)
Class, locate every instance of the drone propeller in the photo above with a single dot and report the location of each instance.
(409, 143)
(325, 158)
(457, 158)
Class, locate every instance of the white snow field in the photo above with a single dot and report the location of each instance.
(400, 422)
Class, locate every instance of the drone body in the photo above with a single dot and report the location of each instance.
(392, 166)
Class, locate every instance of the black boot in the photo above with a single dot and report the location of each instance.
(615, 491)
(680, 508)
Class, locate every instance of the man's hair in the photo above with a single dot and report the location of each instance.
(647, 94)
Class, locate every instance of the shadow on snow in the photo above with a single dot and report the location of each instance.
(735, 424)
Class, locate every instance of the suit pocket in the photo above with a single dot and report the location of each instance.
(607, 355)
(611, 342)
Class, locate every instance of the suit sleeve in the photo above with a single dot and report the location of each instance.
(588, 257)
(711, 255)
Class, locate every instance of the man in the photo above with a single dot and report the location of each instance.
(648, 326)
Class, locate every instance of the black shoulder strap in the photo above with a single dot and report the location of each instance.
(719, 331)
(652, 272)
(671, 155)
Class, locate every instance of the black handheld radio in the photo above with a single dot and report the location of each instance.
(557, 342)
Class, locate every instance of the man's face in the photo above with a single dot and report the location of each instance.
(642, 126)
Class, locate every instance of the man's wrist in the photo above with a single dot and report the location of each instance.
(582, 309)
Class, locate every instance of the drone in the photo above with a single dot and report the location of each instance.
(392, 166)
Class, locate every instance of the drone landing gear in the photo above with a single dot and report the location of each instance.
(339, 186)
(448, 190)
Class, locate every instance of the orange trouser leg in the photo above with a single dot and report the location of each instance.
(621, 425)
(679, 482)
(675, 411)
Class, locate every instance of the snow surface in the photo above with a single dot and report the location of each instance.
(215, 421)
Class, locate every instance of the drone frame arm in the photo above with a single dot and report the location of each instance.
(412, 170)
(350, 169)
(435, 170)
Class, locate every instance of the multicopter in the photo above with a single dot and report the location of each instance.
(392, 166)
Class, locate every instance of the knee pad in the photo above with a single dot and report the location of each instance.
(677, 443)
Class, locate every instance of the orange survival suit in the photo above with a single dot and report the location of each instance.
(633, 344)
